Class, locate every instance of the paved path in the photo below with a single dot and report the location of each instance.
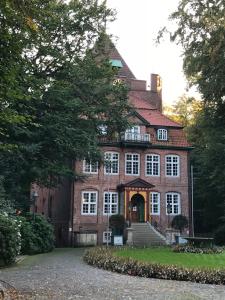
(63, 275)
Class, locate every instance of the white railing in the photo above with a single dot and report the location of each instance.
(139, 137)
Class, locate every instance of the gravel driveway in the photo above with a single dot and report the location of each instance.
(63, 275)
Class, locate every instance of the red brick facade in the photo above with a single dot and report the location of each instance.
(133, 192)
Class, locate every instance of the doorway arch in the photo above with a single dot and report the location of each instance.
(137, 208)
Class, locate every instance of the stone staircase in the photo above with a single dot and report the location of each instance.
(144, 234)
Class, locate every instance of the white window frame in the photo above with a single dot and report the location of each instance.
(162, 134)
(112, 161)
(152, 203)
(90, 165)
(173, 164)
(132, 164)
(133, 133)
(175, 202)
(111, 203)
(152, 163)
(89, 203)
(107, 236)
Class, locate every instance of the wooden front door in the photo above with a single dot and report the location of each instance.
(137, 208)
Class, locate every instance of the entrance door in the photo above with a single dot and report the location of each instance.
(137, 208)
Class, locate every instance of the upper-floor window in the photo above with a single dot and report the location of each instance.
(173, 204)
(111, 163)
(172, 165)
(89, 203)
(133, 133)
(152, 165)
(162, 134)
(90, 167)
(110, 203)
(155, 203)
(132, 164)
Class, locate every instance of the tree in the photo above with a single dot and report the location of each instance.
(55, 91)
(199, 28)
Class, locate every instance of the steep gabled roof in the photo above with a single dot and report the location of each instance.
(125, 70)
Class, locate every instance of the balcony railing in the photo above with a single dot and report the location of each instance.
(136, 137)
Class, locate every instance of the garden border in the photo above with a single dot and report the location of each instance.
(102, 257)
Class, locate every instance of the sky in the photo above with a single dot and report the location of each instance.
(136, 28)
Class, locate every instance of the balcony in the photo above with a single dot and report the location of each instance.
(127, 140)
(136, 137)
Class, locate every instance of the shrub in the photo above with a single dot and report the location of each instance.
(191, 249)
(37, 234)
(103, 257)
(10, 239)
(117, 223)
(179, 222)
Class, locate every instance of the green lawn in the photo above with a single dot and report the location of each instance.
(165, 256)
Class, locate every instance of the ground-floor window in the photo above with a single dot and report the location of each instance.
(155, 203)
(107, 236)
(89, 203)
(110, 203)
(173, 204)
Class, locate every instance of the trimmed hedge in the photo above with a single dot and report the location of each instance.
(103, 257)
(191, 249)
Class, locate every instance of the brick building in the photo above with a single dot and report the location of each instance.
(145, 176)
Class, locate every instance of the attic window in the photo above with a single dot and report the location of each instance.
(116, 63)
(162, 134)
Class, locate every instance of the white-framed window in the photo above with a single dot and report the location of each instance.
(155, 203)
(90, 167)
(173, 204)
(132, 163)
(152, 165)
(107, 236)
(162, 134)
(110, 206)
(133, 133)
(89, 203)
(172, 165)
(111, 163)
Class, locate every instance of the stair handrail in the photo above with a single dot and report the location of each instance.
(156, 232)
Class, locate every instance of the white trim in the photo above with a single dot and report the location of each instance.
(151, 204)
(90, 163)
(178, 203)
(111, 161)
(110, 203)
(172, 163)
(132, 174)
(159, 163)
(89, 203)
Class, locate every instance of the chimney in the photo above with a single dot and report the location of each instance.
(156, 88)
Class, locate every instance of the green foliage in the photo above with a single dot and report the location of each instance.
(10, 239)
(55, 91)
(219, 235)
(104, 258)
(37, 234)
(179, 222)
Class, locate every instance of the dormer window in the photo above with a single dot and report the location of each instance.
(162, 134)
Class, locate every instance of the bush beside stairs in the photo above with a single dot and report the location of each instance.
(144, 234)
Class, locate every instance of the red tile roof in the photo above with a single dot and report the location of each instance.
(154, 117)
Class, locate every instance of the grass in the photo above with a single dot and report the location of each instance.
(165, 256)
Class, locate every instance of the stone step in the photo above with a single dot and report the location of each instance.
(145, 235)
